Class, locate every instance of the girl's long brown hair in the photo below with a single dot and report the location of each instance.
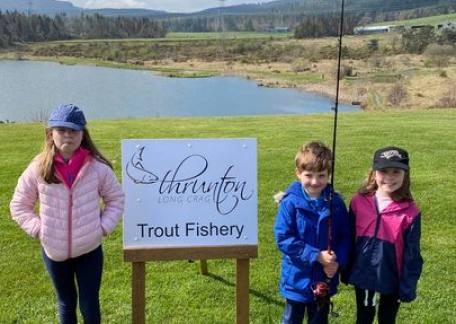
(46, 158)
(369, 186)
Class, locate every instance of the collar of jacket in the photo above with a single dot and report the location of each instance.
(303, 202)
(68, 171)
(394, 207)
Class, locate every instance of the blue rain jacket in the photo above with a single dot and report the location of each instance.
(301, 232)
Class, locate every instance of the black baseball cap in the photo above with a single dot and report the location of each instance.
(391, 157)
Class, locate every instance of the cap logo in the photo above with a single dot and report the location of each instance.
(390, 154)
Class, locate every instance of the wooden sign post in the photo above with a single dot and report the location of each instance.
(190, 199)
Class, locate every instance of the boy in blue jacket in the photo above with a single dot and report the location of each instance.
(301, 232)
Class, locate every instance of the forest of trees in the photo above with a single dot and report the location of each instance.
(313, 18)
(325, 25)
(17, 27)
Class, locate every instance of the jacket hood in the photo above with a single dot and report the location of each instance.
(302, 200)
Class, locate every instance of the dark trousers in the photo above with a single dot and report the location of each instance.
(84, 270)
(295, 311)
(365, 307)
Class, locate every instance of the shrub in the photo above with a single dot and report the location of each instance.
(448, 100)
(397, 94)
(416, 40)
(300, 65)
(439, 55)
(373, 45)
(443, 74)
(448, 36)
(345, 71)
(379, 61)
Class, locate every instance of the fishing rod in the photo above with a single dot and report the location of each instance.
(334, 136)
(321, 289)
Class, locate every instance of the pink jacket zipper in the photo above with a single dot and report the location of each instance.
(70, 222)
(70, 203)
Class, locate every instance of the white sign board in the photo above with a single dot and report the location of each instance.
(189, 192)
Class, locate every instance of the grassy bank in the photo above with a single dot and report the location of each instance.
(176, 293)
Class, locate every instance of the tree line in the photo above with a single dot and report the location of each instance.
(17, 27)
(325, 25)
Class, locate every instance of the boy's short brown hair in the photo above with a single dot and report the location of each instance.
(314, 156)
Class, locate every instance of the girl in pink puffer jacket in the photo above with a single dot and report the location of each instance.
(69, 178)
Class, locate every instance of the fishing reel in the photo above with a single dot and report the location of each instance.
(320, 289)
(321, 294)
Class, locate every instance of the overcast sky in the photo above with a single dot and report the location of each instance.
(168, 5)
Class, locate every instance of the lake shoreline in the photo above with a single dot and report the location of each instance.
(138, 93)
(384, 78)
(192, 69)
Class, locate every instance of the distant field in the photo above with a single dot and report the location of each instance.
(230, 35)
(433, 20)
(186, 36)
(176, 293)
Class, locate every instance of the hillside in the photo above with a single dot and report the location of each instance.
(50, 7)
(278, 7)
(53, 7)
(431, 20)
(325, 6)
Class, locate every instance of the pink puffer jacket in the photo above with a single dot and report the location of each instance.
(71, 222)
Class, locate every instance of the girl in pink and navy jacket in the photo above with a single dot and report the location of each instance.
(70, 178)
(386, 258)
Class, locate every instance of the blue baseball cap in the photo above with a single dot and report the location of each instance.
(67, 116)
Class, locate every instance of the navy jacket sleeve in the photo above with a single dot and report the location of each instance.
(341, 234)
(288, 239)
(413, 262)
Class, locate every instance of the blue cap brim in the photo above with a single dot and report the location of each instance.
(73, 126)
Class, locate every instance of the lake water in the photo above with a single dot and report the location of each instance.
(29, 90)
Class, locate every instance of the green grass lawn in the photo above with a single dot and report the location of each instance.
(176, 293)
(229, 35)
(182, 36)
